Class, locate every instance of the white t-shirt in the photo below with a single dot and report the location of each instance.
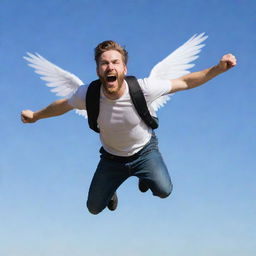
(122, 131)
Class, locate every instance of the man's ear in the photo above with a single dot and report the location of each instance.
(125, 70)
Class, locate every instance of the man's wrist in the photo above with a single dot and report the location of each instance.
(36, 116)
(218, 69)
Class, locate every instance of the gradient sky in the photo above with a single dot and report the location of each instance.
(207, 135)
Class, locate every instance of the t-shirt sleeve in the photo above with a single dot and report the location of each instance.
(154, 88)
(77, 100)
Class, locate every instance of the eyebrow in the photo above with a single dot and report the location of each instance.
(106, 61)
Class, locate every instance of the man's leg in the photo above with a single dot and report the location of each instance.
(108, 177)
(152, 171)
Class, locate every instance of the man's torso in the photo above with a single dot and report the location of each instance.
(122, 132)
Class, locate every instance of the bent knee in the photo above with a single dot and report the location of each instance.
(164, 192)
(164, 195)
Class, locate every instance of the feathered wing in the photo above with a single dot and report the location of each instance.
(177, 64)
(63, 83)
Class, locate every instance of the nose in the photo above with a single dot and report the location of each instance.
(110, 66)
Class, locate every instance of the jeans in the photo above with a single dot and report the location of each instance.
(112, 171)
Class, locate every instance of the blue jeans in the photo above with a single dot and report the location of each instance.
(112, 171)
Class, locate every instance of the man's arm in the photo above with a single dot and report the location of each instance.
(195, 79)
(57, 108)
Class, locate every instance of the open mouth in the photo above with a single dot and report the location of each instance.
(111, 78)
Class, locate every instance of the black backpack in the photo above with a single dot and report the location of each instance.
(92, 102)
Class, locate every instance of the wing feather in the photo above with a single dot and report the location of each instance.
(63, 83)
(177, 64)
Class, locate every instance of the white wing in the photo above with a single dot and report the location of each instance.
(177, 64)
(63, 82)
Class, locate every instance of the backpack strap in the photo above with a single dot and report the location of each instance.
(139, 102)
(92, 102)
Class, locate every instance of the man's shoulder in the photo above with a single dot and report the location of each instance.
(148, 83)
(154, 87)
(77, 100)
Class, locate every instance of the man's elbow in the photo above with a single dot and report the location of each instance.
(64, 105)
(178, 85)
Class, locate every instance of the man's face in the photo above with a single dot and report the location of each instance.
(111, 71)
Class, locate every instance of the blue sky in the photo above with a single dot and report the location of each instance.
(207, 135)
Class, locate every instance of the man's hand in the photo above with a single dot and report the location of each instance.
(195, 79)
(28, 116)
(56, 108)
(227, 61)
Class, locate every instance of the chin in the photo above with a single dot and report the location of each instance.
(112, 90)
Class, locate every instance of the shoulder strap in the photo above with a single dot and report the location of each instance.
(92, 102)
(139, 102)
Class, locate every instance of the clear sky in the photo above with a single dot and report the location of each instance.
(207, 135)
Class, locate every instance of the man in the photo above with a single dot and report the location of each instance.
(129, 146)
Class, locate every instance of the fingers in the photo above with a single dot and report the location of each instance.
(23, 117)
(27, 116)
(230, 59)
(227, 61)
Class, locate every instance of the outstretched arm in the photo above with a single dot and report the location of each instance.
(57, 108)
(195, 79)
